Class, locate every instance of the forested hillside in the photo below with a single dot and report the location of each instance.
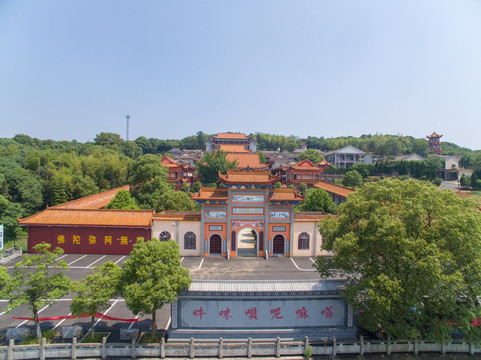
(37, 173)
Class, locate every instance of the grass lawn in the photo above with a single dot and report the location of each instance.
(49, 335)
(96, 339)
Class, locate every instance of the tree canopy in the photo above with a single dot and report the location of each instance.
(211, 164)
(314, 156)
(352, 179)
(37, 281)
(411, 255)
(94, 292)
(153, 277)
(121, 200)
(318, 200)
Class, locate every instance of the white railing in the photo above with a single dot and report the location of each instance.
(10, 254)
(227, 348)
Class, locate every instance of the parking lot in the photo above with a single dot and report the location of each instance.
(218, 268)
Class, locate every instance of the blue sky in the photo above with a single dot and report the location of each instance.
(72, 69)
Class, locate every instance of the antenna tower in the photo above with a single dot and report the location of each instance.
(128, 118)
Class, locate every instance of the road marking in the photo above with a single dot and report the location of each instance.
(61, 257)
(77, 260)
(119, 259)
(132, 324)
(23, 322)
(298, 268)
(96, 261)
(105, 313)
(312, 260)
(61, 321)
(201, 262)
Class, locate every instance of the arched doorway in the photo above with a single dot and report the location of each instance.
(247, 242)
(215, 244)
(278, 245)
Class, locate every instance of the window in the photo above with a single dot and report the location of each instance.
(303, 241)
(164, 236)
(189, 240)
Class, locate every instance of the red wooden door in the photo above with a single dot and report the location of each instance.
(215, 244)
(278, 244)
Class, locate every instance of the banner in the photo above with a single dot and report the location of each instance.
(1, 237)
(97, 315)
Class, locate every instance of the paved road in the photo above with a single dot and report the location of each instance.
(451, 185)
(218, 268)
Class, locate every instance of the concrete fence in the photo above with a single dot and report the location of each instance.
(226, 348)
(10, 254)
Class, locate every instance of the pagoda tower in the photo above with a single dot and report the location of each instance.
(434, 143)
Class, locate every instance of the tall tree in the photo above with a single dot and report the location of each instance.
(312, 155)
(38, 280)
(352, 179)
(153, 277)
(318, 200)
(211, 164)
(94, 292)
(148, 181)
(121, 200)
(411, 257)
(176, 200)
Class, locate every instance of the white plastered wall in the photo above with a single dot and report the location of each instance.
(180, 228)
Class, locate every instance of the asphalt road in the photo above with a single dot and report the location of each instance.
(215, 267)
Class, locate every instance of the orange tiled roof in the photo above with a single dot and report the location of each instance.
(304, 216)
(248, 177)
(434, 135)
(245, 160)
(284, 195)
(230, 136)
(334, 189)
(168, 162)
(233, 148)
(206, 193)
(178, 215)
(89, 217)
(306, 164)
(95, 201)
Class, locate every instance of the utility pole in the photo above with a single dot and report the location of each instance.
(128, 118)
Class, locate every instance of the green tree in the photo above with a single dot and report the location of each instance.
(94, 292)
(148, 181)
(312, 155)
(211, 164)
(38, 280)
(262, 157)
(465, 180)
(302, 189)
(121, 200)
(9, 212)
(106, 138)
(318, 200)
(410, 254)
(5, 281)
(153, 277)
(176, 200)
(352, 179)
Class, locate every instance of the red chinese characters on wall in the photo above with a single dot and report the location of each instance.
(327, 312)
(199, 312)
(302, 313)
(251, 313)
(225, 314)
(276, 313)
